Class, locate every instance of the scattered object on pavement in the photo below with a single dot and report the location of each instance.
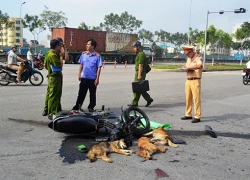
(210, 131)
(178, 141)
(160, 173)
(155, 125)
(82, 148)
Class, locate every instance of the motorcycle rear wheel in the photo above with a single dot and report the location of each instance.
(4, 78)
(36, 79)
(40, 67)
(142, 126)
(245, 80)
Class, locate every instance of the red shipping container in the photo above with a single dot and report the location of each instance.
(75, 39)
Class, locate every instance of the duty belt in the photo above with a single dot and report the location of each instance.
(193, 78)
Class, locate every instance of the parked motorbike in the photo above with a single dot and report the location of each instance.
(8, 75)
(246, 76)
(38, 64)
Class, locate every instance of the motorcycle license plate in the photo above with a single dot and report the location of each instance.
(243, 74)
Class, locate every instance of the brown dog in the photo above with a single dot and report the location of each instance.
(100, 150)
(147, 148)
(160, 137)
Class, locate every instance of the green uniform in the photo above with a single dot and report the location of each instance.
(140, 59)
(47, 94)
(54, 90)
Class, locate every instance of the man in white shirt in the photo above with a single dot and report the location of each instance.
(248, 64)
(30, 57)
(12, 62)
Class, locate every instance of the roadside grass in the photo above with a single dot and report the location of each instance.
(208, 66)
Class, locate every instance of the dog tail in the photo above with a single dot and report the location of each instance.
(172, 144)
(149, 133)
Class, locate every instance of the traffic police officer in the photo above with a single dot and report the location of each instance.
(193, 84)
(140, 73)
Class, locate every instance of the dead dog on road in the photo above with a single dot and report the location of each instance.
(160, 137)
(147, 148)
(100, 150)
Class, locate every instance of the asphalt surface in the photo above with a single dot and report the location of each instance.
(30, 150)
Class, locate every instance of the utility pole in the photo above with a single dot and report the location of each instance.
(237, 11)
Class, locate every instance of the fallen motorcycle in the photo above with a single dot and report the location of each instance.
(132, 122)
(246, 76)
(8, 75)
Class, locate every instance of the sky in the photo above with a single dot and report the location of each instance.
(169, 15)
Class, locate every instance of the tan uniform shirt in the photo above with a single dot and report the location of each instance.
(197, 73)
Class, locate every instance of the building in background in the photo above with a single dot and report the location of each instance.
(13, 36)
(46, 41)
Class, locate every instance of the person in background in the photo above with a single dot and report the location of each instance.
(88, 75)
(40, 55)
(248, 64)
(193, 84)
(140, 73)
(30, 57)
(12, 63)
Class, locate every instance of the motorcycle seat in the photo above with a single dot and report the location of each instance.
(9, 69)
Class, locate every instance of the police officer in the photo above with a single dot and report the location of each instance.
(193, 84)
(54, 90)
(140, 73)
(61, 54)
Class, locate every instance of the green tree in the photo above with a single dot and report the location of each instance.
(164, 36)
(123, 23)
(224, 40)
(34, 24)
(243, 34)
(195, 36)
(145, 34)
(53, 19)
(179, 39)
(96, 28)
(5, 23)
(83, 25)
(212, 38)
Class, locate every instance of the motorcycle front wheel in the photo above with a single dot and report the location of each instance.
(4, 78)
(142, 124)
(36, 79)
(245, 80)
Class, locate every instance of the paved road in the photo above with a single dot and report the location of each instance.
(30, 150)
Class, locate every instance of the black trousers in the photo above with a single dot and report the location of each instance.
(84, 86)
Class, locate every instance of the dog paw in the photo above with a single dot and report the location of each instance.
(133, 151)
(109, 160)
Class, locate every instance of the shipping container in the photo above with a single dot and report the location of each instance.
(120, 42)
(75, 39)
(112, 46)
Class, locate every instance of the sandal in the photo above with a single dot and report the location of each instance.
(18, 81)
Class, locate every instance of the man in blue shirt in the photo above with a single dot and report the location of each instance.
(89, 74)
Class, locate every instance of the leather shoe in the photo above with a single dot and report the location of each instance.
(186, 118)
(91, 110)
(149, 102)
(45, 113)
(195, 120)
(133, 105)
